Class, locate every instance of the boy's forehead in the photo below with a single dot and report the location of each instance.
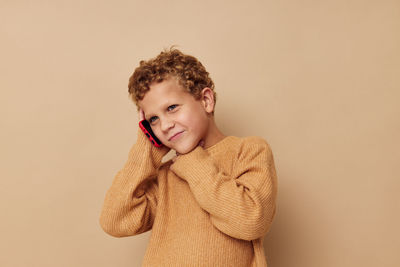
(164, 93)
(153, 105)
(167, 89)
(160, 97)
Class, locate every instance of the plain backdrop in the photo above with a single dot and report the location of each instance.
(319, 80)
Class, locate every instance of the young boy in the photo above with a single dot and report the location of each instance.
(214, 202)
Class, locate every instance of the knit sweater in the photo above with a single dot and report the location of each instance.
(211, 207)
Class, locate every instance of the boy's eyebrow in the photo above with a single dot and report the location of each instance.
(148, 116)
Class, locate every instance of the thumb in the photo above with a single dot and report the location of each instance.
(175, 157)
(141, 114)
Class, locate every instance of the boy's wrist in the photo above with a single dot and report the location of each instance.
(195, 167)
(200, 144)
(186, 163)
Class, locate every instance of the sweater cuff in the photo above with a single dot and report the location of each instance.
(194, 166)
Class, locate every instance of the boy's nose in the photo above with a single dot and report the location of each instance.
(166, 125)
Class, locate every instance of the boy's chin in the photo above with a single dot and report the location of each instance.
(184, 149)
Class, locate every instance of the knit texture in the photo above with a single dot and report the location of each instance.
(211, 207)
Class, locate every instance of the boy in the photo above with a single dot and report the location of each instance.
(214, 202)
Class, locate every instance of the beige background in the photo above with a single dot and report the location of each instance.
(319, 80)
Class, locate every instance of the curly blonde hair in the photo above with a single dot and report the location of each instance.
(188, 70)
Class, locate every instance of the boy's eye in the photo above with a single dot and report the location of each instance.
(171, 107)
(152, 119)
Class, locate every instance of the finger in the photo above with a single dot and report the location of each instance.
(201, 143)
(141, 115)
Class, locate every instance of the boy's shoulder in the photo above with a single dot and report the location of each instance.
(250, 141)
(251, 147)
(235, 145)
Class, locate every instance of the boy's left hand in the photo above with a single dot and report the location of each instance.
(201, 143)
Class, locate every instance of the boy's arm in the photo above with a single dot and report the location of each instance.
(130, 203)
(241, 205)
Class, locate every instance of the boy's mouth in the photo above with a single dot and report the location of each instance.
(175, 136)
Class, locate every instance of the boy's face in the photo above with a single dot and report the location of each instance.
(176, 117)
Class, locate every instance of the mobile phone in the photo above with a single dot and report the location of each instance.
(145, 126)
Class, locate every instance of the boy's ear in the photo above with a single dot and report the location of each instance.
(207, 99)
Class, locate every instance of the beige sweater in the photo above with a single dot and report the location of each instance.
(211, 207)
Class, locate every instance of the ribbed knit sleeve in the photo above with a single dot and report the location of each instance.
(241, 204)
(130, 203)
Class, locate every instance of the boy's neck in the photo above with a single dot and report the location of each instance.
(214, 135)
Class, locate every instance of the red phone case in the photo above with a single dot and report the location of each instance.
(145, 126)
